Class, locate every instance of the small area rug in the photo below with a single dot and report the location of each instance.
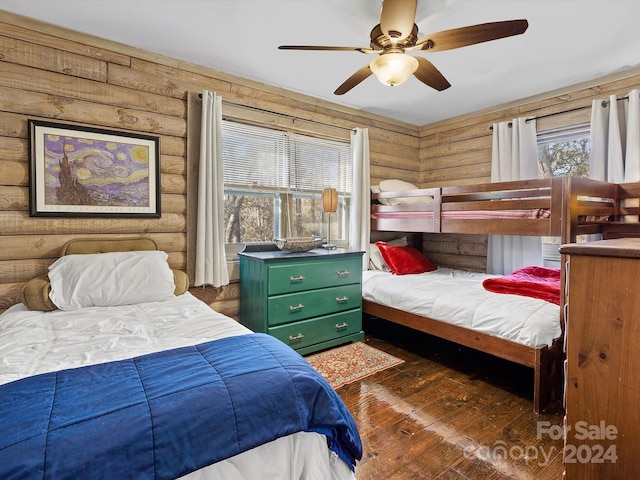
(351, 362)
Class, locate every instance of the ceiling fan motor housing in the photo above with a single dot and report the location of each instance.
(379, 41)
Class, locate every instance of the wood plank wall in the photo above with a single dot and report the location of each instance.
(55, 74)
(458, 151)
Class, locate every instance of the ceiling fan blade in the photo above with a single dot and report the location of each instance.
(353, 80)
(326, 48)
(462, 37)
(428, 74)
(397, 18)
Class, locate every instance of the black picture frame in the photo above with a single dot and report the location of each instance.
(81, 171)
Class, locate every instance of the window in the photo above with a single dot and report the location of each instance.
(273, 183)
(563, 151)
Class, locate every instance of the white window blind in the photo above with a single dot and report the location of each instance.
(319, 163)
(254, 157)
(264, 159)
(563, 134)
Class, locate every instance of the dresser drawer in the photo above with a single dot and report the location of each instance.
(292, 307)
(308, 275)
(316, 330)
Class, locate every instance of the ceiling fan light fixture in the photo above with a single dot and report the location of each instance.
(393, 68)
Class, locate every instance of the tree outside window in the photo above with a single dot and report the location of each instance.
(569, 157)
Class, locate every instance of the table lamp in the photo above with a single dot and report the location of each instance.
(329, 205)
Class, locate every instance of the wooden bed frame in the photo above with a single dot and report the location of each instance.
(571, 206)
(566, 206)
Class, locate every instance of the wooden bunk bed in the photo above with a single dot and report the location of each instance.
(562, 207)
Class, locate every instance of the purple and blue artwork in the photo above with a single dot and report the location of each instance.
(84, 171)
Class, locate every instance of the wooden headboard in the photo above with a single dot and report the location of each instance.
(103, 245)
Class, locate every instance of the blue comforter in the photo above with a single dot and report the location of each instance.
(166, 414)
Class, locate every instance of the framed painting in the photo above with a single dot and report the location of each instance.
(78, 171)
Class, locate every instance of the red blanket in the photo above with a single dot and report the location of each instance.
(536, 282)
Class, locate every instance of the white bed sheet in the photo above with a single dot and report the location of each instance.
(38, 342)
(458, 297)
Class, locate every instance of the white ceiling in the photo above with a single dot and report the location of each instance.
(567, 42)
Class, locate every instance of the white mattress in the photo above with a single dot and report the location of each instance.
(458, 297)
(39, 342)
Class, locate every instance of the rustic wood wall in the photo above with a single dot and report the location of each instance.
(51, 73)
(458, 151)
(54, 74)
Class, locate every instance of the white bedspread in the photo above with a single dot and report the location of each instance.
(39, 342)
(458, 297)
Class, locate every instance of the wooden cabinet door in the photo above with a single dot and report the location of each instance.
(603, 368)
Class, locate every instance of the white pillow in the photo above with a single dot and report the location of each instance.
(376, 262)
(394, 185)
(110, 279)
(376, 189)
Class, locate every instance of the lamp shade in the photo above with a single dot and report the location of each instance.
(330, 200)
(393, 68)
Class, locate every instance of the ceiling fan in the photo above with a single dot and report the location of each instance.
(397, 34)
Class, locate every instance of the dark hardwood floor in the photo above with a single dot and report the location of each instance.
(449, 412)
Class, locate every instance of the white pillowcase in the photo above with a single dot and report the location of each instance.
(376, 262)
(110, 279)
(394, 185)
(376, 189)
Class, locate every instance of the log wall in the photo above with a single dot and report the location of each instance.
(54, 74)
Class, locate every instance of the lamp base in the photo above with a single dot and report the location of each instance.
(329, 246)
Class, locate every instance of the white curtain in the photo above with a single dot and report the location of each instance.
(615, 141)
(360, 221)
(211, 264)
(514, 157)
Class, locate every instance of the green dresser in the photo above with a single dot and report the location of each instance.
(310, 301)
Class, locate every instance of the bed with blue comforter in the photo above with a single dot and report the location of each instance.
(110, 369)
(154, 416)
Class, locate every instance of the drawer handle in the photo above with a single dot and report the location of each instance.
(343, 273)
(342, 326)
(297, 279)
(296, 308)
(342, 299)
(295, 338)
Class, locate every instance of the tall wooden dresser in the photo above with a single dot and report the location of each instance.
(310, 301)
(602, 423)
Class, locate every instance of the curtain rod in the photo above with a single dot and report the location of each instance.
(235, 104)
(604, 104)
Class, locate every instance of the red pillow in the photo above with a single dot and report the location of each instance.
(403, 260)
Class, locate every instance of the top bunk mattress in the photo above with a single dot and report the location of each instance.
(458, 297)
(473, 214)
